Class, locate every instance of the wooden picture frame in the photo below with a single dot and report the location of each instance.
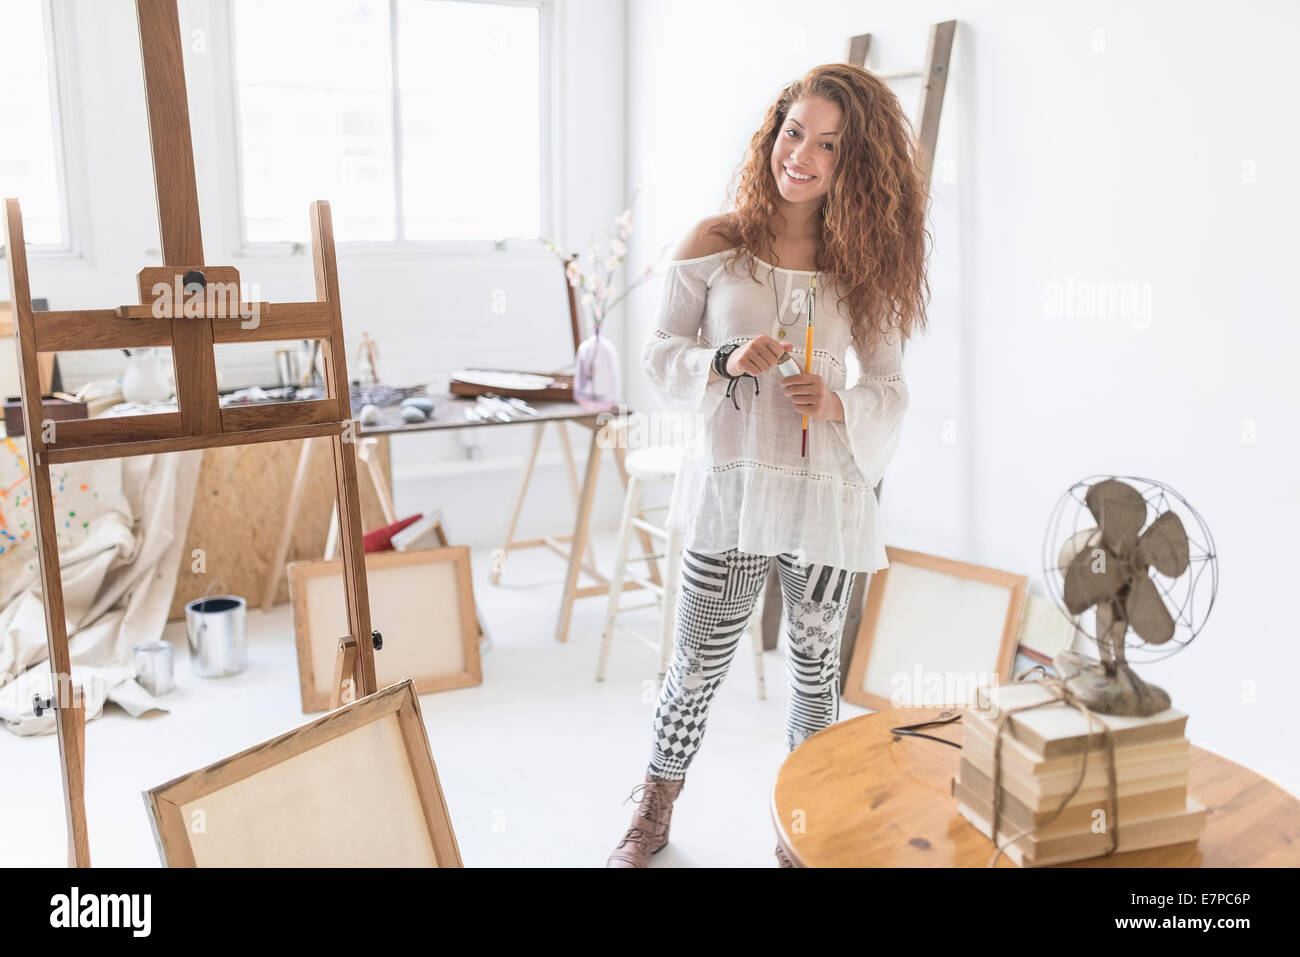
(913, 612)
(1045, 631)
(410, 592)
(354, 788)
(434, 532)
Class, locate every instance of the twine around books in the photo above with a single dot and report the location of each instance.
(1063, 694)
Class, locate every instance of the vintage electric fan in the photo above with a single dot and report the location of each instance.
(1134, 554)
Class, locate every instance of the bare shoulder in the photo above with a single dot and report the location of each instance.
(704, 238)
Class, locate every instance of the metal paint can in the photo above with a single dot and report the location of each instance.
(152, 663)
(218, 643)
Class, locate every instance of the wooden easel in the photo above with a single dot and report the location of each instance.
(190, 328)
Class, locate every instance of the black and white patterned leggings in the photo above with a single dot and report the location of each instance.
(715, 599)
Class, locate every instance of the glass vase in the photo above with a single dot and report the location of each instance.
(595, 377)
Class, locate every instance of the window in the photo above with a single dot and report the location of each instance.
(417, 119)
(31, 163)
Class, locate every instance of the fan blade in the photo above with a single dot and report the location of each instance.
(1120, 511)
(1164, 545)
(1146, 612)
(1075, 544)
(1092, 576)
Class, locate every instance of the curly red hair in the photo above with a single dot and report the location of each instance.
(873, 233)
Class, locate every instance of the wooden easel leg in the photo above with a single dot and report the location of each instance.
(343, 689)
(77, 719)
(286, 529)
(72, 744)
(348, 511)
(578, 543)
(347, 498)
(70, 712)
(499, 560)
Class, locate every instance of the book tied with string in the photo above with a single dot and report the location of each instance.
(1042, 754)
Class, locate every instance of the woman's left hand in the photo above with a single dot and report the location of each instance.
(810, 396)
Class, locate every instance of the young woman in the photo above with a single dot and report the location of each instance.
(827, 229)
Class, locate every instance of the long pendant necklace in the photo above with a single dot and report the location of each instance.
(780, 333)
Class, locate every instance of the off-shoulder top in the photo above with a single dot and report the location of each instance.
(743, 481)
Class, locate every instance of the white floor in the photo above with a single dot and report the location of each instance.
(535, 763)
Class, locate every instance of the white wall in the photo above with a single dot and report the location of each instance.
(1148, 143)
(430, 314)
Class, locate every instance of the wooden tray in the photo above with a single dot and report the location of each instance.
(560, 389)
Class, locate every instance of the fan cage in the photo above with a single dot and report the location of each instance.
(1188, 597)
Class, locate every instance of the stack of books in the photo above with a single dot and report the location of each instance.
(1042, 752)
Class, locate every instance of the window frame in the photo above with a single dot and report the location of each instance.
(60, 43)
(549, 113)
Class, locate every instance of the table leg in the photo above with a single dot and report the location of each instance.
(577, 493)
(499, 560)
(578, 543)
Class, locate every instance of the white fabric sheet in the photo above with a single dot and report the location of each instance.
(121, 526)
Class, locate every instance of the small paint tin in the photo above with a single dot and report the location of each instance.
(215, 628)
(152, 664)
(787, 366)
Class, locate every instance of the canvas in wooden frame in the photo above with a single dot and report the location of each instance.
(932, 630)
(1045, 631)
(435, 533)
(422, 602)
(354, 788)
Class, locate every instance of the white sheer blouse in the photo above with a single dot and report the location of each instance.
(744, 483)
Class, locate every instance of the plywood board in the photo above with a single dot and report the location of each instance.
(238, 510)
(422, 602)
(9, 384)
(933, 631)
(355, 788)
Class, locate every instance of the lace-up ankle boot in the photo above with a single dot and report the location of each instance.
(649, 831)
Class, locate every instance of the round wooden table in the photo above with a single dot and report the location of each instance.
(855, 795)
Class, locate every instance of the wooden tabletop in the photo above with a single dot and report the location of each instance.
(854, 795)
(449, 413)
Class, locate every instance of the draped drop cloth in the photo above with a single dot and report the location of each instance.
(121, 527)
(743, 482)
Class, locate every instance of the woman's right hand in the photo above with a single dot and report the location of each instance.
(756, 356)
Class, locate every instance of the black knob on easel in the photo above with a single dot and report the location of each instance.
(41, 705)
(194, 278)
(377, 639)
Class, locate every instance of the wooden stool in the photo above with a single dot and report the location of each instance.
(657, 464)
